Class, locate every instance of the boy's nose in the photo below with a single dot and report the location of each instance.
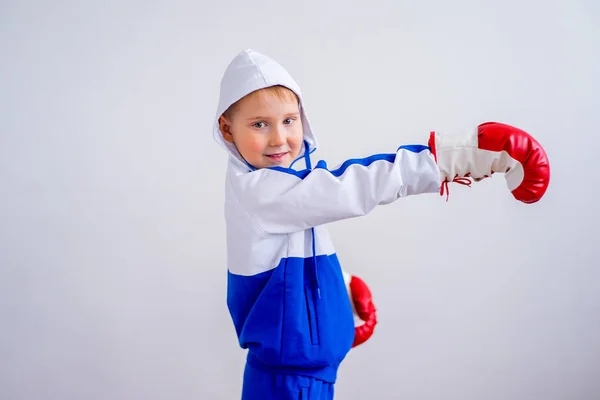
(277, 137)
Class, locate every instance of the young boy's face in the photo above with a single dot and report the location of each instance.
(266, 128)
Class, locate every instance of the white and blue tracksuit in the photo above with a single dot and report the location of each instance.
(286, 292)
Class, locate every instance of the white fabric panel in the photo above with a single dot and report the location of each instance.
(300, 243)
(252, 252)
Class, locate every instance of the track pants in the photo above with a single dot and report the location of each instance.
(260, 385)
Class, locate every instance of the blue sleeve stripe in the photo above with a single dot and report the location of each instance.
(415, 148)
(356, 161)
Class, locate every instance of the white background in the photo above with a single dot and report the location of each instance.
(112, 257)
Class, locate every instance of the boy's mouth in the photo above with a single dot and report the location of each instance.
(277, 156)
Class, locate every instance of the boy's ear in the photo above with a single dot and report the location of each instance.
(225, 127)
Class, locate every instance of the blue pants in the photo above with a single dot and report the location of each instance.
(260, 385)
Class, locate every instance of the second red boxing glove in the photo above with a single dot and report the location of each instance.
(363, 307)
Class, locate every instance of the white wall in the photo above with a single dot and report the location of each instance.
(112, 258)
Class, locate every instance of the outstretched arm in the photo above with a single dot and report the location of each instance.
(283, 201)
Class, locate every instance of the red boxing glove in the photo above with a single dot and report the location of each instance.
(363, 307)
(494, 147)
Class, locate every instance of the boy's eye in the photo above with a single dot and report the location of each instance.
(288, 121)
(259, 125)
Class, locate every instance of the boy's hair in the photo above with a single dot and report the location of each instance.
(280, 91)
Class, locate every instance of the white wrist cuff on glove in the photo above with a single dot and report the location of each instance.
(459, 156)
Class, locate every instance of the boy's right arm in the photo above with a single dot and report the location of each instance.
(283, 201)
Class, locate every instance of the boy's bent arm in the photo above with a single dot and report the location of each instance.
(282, 200)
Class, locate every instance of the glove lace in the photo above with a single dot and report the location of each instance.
(460, 180)
(463, 180)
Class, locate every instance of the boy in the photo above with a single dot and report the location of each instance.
(287, 293)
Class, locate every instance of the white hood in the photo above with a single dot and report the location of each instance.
(248, 72)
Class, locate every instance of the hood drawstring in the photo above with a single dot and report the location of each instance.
(314, 242)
